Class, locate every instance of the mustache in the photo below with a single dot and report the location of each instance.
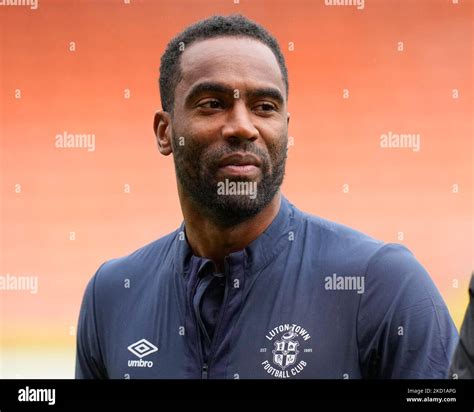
(203, 159)
(213, 157)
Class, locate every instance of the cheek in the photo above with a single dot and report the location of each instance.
(205, 126)
(273, 128)
(277, 139)
(189, 139)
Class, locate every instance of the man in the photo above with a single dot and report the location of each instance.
(249, 286)
(462, 365)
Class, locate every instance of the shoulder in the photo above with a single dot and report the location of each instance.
(396, 268)
(351, 251)
(334, 242)
(136, 265)
(332, 231)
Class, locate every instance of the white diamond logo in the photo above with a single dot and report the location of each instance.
(142, 348)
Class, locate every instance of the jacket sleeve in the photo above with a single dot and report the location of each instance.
(404, 327)
(89, 361)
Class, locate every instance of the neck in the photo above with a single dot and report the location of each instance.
(215, 242)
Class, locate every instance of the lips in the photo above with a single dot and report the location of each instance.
(240, 164)
(240, 159)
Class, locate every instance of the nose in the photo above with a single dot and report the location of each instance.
(238, 124)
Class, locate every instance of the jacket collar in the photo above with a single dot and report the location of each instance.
(256, 255)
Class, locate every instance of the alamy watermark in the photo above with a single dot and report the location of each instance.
(13, 282)
(239, 188)
(401, 141)
(67, 140)
(359, 4)
(28, 394)
(336, 282)
(32, 4)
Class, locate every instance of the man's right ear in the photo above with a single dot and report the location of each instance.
(162, 129)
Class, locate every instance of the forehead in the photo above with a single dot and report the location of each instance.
(239, 62)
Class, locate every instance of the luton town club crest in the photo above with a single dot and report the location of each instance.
(289, 345)
(286, 350)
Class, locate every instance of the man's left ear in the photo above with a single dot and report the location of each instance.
(287, 118)
(162, 129)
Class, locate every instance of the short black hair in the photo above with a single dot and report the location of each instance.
(216, 26)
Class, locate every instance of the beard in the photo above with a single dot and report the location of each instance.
(197, 166)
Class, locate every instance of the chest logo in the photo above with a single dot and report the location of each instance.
(290, 342)
(141, 349)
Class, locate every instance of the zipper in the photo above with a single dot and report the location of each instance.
(200, 323)
(219, 321)
(202, 361)
(204, 371)
(202, 358)
(205, 362)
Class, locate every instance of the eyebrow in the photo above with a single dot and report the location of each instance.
(219, 88)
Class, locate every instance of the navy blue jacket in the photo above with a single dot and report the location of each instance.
(308, 298)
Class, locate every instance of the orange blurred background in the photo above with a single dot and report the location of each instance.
(91, 67)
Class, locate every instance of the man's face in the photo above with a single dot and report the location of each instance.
(230, 128)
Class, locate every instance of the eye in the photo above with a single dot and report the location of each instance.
(210, 104)
(266, 107)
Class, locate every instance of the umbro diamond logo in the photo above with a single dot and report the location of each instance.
(141, 349)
